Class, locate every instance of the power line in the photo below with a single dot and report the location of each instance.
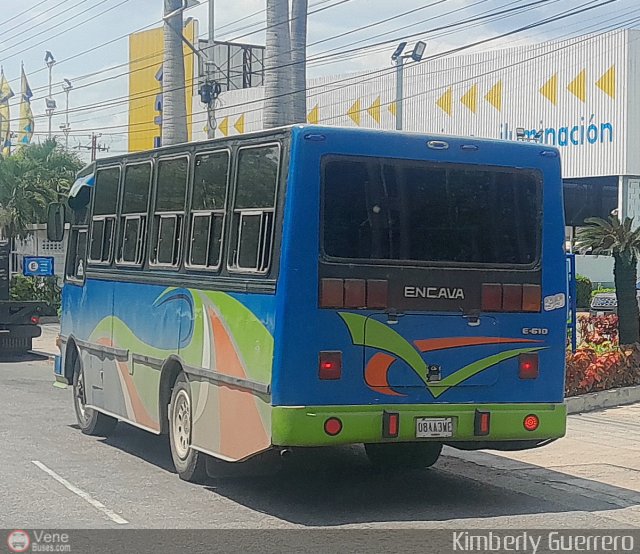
(359, 79)
(13, 18)
(152, 92)
(5, 40)
(67, 30)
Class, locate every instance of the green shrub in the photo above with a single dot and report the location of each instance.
(601, 289)
(583, 291)
(42, 289)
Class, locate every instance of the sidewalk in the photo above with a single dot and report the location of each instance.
(46, 343)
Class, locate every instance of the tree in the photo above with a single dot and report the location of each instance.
(30, 180)
(621, 241)
(174, 105)
(277, 67)
(299, 10)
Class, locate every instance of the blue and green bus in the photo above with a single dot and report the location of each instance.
(317, 286)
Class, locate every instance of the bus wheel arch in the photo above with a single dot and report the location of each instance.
(171, 368)
(70, 356)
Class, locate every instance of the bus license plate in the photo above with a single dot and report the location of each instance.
(427, 427)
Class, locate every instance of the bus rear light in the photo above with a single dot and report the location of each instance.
(528, 366)
(531, 422)
(482, 423)
(390, 425)
(491, 297)
(330, 366)
(355, 293)
(332, 426)
(511, 298)
(377, 293)
(531, 298)
(331, 293)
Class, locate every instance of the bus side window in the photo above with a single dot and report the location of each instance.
(168, 216)
(77, 254)
(104, 215)
(254, 208)
(209, 200)
(133, 213)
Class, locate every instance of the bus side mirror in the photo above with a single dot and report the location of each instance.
(55, 222)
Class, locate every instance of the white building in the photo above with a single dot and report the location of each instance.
(578, 94)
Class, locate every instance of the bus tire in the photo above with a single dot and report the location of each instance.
(91, 422)
(403, 455)
(190, 464)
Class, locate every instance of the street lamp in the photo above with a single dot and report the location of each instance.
(66, 127)
(50, 102)
(399, 57)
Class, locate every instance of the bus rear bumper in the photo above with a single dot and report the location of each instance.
(305, 426)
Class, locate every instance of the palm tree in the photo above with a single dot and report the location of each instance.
(277, 70)
(30, 180)
(174, 105)
(299, 10)
(621, 241)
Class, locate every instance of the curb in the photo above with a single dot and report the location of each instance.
(46, 354)
(602, 399)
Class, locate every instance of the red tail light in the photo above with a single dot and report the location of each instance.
(491, 297)
(330, 366)
(531, 422)
(528, 366)
(377, 293)
(390, 425)
(332, 293)
(531, 298)
(332, 426)
(355, 293)
(511, 298)
(35, 319)
(482, 423)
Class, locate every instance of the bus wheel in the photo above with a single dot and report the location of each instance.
(407, 455)
(90, 421)
(189, 463)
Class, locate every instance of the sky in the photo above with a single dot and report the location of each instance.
(67, 28)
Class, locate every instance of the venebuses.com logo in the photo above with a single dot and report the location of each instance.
(18, 541)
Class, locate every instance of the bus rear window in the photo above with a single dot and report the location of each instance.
(412, 211)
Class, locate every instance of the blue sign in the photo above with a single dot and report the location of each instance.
(37, 266)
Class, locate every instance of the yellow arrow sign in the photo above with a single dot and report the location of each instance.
(374, 110)
(445, 102)
(578, 87)
(239, 125)
(224, 127)
(494, 96)
(314, 115)
(393, 109)
(607, 83)
(470, 98)
(354, 112)
(550, 89)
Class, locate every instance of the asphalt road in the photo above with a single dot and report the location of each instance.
(53, 476)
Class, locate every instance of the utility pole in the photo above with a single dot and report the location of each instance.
(50, 102)
(66, 128)
(94, 147)
(398, 57)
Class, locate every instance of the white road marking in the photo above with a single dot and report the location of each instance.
(85, 496)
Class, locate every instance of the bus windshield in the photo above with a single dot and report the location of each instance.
(413, 211)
